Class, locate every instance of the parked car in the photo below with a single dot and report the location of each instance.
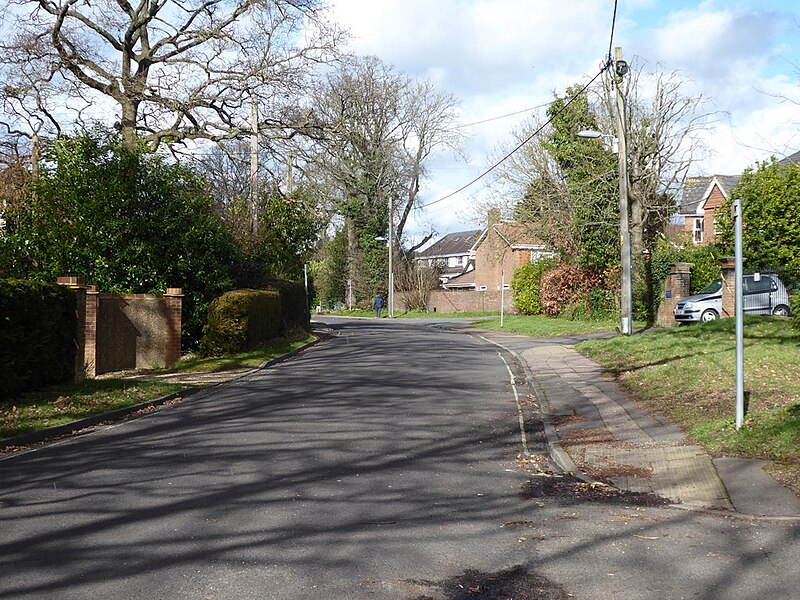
(762, 294)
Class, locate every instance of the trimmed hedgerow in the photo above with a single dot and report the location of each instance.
(240, 320)
(37, 333)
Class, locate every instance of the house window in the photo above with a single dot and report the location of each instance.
(482, 288)
(506, 286)
(459, 260)
(698, 230)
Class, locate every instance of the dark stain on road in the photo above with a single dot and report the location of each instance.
(515, 583)
(570, 488)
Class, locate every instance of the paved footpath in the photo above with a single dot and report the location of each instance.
(597, 432)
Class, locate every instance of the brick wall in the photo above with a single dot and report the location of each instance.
(125, 331)
(453, 301)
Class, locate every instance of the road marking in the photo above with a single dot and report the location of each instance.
(519, 407)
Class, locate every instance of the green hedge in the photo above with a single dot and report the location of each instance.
(526, 284)
(37, 333)
(294, 305)
(241, 319)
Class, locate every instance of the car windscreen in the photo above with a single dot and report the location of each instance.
(712, 288)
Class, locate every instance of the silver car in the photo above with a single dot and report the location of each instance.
(763, 294)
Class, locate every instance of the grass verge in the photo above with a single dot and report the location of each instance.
(688, 374)
(542, 326)
(63, 404)
(409, 314)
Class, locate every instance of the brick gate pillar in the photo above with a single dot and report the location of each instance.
(728, 265)
(677, 286)
(174, 298)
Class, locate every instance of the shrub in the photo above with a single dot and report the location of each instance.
(294, 304)
(568, 285)
(241, 319)
(526, 284)
(37, 332)
(794, 300)
(143, 222)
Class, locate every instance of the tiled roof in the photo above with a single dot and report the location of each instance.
(517, 234)
(792, 159)
(464, 280)
(452, 244)
(695, 190)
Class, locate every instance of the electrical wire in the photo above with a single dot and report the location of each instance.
(535, 133)
(519, 146)
(613, 25)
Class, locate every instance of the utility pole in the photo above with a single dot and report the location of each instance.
(254, 163)
(620, 70)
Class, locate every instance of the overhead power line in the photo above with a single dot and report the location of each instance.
(519, 146)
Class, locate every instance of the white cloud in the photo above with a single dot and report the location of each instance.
(503, 56)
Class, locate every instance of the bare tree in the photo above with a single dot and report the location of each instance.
(174, 71)
(379, 128)
(663, 126)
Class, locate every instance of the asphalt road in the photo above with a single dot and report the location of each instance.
(379, 464)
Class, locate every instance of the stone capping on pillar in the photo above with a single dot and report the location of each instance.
(728, 267)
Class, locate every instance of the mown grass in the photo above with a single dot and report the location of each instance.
(541, 326)
(408, 314)
(688, 374)
(66, 403)
(242, 360)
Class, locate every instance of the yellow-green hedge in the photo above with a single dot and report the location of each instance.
(240, 320)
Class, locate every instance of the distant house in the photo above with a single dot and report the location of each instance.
(501, 248)
(701, 200)
(453, 254)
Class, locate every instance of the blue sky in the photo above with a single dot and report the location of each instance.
(504, 56)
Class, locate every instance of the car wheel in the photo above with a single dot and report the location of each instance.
(709, 315)
(781, 311)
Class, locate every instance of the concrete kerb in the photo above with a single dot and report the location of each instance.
(560, 456)
(52, 434)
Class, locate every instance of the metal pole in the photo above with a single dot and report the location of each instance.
(624, 225)
(391, 253)
(737, 216)
(350, 295)
(502, 296)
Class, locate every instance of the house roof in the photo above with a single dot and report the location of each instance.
(465, 280)
(697, 189)
(452, 244)
(792, 159)
(517, 236)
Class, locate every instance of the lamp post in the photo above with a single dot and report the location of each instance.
(626, 301)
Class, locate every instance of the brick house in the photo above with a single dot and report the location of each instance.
(453, 255)
(502, 247)
(701, 200)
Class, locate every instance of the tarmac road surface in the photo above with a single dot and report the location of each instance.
(382, 463)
